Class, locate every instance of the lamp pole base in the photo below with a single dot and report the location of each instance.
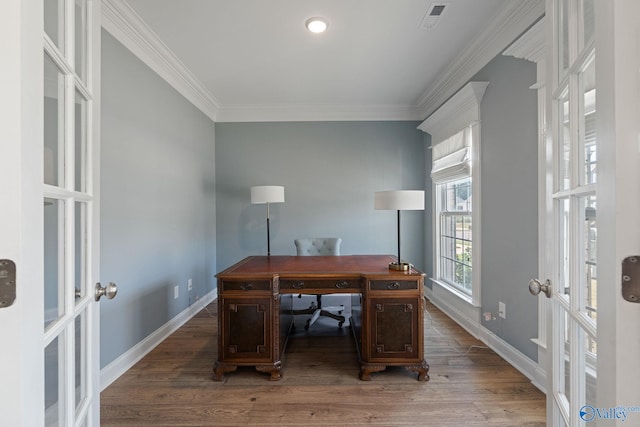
(399, 266)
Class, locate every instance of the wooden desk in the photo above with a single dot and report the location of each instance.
(255, 303)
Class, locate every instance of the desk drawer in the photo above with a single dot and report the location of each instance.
(393, 285)
(320, 284)
(245, 285)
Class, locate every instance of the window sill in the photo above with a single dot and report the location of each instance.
(466, 298)
(539, 343)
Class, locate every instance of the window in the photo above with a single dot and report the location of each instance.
(452, 175)
(456, 242)
(455, 174)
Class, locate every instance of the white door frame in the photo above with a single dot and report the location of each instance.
(618, 80)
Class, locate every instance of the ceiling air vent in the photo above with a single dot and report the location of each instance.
(436, 10)
(433, 14)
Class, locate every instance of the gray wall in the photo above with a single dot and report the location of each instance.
(509, 199)
(330, 171)
(158, 205)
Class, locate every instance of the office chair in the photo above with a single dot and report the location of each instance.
(319, 246)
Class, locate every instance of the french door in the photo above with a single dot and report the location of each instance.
(50, 181)
(70, 200)
(594, 166)
(574, 203)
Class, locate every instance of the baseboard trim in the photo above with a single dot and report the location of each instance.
(462, 312)
(517, 359)
(122, 364)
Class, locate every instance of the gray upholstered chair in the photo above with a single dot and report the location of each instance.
(313, 247)
(318, 246)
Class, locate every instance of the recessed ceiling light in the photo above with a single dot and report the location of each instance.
(316, 25)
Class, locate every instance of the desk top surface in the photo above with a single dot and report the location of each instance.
(317, 265)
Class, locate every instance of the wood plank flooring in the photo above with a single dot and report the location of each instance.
(470, 385)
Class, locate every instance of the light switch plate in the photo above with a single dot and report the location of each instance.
(502, 310)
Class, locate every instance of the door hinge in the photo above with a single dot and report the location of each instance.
(7, 282)
(631, 278)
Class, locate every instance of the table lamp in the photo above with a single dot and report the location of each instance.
(400, 200)
(267, 194)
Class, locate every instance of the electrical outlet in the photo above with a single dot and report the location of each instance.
(488, 316)
(502, 310)
(176, 292)
(190, 284)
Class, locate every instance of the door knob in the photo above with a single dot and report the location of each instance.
(535, 287)
(108, 291)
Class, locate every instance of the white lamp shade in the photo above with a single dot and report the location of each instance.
(401, 200)
(267, 194)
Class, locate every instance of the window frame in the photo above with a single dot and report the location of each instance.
(460, 112)
(472, 297)
(443, 215)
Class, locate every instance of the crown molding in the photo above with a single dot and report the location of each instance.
(122, 22)
(531, 45)
(313, 113)
(459, 111)
(513, 20)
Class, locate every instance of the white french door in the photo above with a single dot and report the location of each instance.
(590, 204)
(50, 333)
(70, 200)
(574, 307)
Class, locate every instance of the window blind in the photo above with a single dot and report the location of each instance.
(451, 158)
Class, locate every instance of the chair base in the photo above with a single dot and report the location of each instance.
(325, 312)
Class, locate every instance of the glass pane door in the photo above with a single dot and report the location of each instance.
(574, 198)
(69, 311)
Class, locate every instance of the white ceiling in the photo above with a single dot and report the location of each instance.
(376, 56)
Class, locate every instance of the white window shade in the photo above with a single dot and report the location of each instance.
(452, 157)
(454, 165)
(455, 136)
(450, 145)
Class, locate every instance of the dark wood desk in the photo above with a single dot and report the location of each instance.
(255, 303)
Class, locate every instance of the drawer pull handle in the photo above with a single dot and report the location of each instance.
(246, 286)
(393, 285)
(342, 284)
(298, 284)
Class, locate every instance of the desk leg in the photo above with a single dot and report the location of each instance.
(422, 370)
(273, 370)
(367, 370)
(220, 368)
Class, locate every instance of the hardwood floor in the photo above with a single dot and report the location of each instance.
(470, 385)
